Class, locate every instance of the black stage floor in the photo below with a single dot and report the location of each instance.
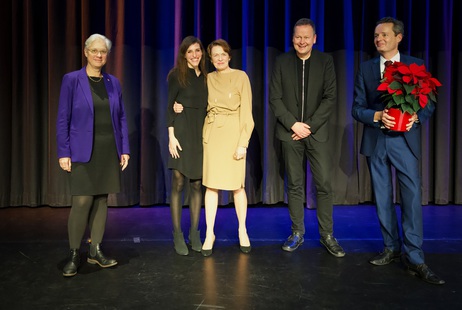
(150, 275)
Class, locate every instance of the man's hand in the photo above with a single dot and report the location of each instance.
(387, 120)
(301, 131)
(414, 118)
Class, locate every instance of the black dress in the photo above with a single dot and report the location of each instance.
(189, 123)
(101, 175)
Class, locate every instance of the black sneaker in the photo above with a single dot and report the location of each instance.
(293, 242)
(332, 246)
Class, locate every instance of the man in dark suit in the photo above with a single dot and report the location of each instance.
(385, 149)
(303, 93)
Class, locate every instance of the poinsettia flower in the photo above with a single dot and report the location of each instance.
(423, 100)
(383, 86)
(407, 86)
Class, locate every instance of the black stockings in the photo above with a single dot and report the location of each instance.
(195, 200)
(91, 210)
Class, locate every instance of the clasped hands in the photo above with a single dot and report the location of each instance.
(389, 121)
(301, 131)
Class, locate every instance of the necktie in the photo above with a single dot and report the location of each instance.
(387, 64)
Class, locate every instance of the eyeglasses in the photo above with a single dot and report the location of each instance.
(96, 52)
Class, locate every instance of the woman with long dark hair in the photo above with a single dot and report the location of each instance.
(188, 88)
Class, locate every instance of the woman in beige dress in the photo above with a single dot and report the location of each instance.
(227, 130)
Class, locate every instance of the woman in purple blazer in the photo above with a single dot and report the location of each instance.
(92, 140)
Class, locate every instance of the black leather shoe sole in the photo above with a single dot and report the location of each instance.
(94, 261)
(383, 262)
(69, 274)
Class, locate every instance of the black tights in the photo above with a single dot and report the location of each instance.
(91, 210)
(195, 200)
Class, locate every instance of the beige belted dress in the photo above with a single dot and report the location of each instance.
(228, 124)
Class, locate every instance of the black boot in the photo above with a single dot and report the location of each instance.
(96, 256)
(179, 244)
(195, 240)
(70, 269)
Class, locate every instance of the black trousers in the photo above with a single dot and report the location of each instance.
(320, 162)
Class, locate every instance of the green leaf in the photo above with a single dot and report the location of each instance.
(432, 96)
(399, 99)
(410, 99)
(394, 85)
(408, 88)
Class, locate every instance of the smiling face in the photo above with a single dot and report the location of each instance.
(220, 58)
(386, 41)
(303, 40)
(193, 55)
(96, 54)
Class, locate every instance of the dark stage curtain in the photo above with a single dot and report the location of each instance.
(43, 40)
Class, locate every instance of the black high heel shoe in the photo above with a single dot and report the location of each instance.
(244, 249)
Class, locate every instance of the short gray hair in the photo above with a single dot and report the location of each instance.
(97, 36)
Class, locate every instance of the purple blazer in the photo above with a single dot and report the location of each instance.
(74, 125)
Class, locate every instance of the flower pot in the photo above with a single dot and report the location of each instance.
(401, 119)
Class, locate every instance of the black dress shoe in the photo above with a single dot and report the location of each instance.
(332, 246)
(423, 272)
(386, 257)
(293, 242)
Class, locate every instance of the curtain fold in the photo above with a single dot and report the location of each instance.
(44, 40)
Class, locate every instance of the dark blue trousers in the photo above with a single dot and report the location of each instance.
(392, 150)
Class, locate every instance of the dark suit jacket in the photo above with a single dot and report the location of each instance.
(285, 94)
(74, 125)
(367, 101)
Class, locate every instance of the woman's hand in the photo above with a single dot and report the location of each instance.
(174, 146)
(240, 153)
(177, 107)
(65, 163)
(124, 161)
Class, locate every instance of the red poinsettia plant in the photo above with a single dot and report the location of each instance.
(408, 87)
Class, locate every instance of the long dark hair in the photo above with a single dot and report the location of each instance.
(181, 66)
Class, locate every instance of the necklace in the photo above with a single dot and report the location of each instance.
(96, 81)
